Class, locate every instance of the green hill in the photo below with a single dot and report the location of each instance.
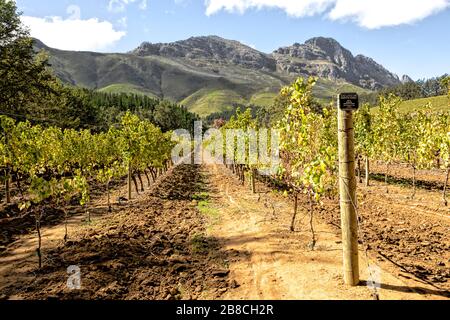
(207, 101)
(439, 103)
(264, 99)
(212, 100)
(127, 88)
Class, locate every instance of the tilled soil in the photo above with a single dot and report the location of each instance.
(151, 249)
(411, 235)
(160, 246)
(268, 261)
(402, 174)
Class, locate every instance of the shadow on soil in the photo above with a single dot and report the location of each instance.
(408, 182)
(407, 289)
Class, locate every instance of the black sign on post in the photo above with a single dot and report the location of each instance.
(348, 101)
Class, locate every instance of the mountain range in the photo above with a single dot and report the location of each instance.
(209, 74)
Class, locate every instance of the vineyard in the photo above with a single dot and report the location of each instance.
(52, 167)
(308, 144)
(165, 230)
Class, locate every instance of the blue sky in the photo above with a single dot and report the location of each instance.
(406, 36)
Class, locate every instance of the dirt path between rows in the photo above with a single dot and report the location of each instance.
(267, 261)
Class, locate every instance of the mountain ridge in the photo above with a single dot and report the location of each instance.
(200, 65)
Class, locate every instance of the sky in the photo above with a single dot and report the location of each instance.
(406, 36)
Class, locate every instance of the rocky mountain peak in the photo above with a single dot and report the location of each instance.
(319, 48)
(327, 58)
(211, 49)
(328, 45)
(319, 56)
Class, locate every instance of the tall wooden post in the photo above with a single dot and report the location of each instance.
(129, 180)
(367, 172)
(347, 189)
(253, 181)
(7, 189)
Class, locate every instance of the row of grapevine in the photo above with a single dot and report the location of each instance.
(308, 147)
(420, 139)
(240, 163)
(309, 139)
(244, 145)
(309, 150)
(54, 165)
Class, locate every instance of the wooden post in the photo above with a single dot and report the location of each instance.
(347, 190)
(88, 213)
(367, 171)
(129, 180)
(253, 180)
(295, 212)
(7, 189)
(359, 170)
(109, 196)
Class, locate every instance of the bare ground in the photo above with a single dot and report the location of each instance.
(270, 262)
(153, 248)
(199, 234)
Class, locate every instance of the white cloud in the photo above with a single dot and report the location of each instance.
(296, 8)
(73, 33)
(382, 13)
(370, 14)
(117, 6)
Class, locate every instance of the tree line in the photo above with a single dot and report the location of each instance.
(423, 88)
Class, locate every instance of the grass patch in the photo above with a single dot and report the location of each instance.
(440, 103)
(203, 196)
(205, 208)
